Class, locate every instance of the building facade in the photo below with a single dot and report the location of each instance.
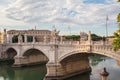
(29, 35)
(83, 36)
(1, 37)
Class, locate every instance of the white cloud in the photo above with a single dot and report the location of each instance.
(62, 11)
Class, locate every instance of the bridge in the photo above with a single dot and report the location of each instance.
(62, 57)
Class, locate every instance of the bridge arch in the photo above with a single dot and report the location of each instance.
(70, 53)
(108, 54)
(11, 53)
(43, 51)
(74, 62)
(34, 55)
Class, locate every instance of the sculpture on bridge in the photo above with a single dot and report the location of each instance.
(20, 38)
(54, 35)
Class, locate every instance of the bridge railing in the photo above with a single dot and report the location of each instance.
(103, 48)
(101, 43)
(66, 43)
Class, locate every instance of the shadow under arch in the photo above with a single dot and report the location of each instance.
(35, 56)
(11, 53)
(70, 54)
(75, 64)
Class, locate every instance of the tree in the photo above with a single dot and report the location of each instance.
(96, 37)
(118, 20)
(116, 41)
(116, 44)
(73, 37)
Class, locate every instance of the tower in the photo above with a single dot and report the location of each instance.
(5, 37)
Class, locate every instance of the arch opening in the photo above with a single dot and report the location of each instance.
(11, 53)
(35, 56)
(76, 63)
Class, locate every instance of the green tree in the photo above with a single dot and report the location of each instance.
(118, 20)
(73, 37)
(116, 41)
(96, 37)
(116, 44)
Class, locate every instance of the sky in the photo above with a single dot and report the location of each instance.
(68, 16)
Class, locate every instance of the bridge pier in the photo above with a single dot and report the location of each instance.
(20, 61)
(69, 67)
(54, 71)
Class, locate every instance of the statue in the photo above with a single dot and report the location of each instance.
(20, 38)
(55, 32)
(54, 35)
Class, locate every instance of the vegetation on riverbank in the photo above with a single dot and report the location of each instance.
(95, 37)
(6, 61)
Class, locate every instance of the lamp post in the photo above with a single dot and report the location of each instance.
(106, 26)
(104, 74)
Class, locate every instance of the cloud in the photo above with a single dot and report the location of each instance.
(4, 3)
(73, 12)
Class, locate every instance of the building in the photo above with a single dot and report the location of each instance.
(83, 36)
(1, 37)
(29, 35)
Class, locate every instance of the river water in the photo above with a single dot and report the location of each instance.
(38, 72)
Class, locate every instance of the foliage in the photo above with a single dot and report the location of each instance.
(96, 37)
(72, 37)
(77, 37)
(116, 35)
(116, 44)
(116, 41)
(118, 18)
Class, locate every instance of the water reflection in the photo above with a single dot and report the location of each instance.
(38, 72)
(97, 62)
(111, 66)
(31, 73)
(96, 59)
(85, 76)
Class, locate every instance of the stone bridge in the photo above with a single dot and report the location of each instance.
(61, 57)
(56, 54)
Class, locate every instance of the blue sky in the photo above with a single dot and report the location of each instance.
(95, 1)
(68, 16)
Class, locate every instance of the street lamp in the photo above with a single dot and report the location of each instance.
(106, 26)
(104, 74)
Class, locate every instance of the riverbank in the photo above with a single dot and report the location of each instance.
(6, 61)
(28, 65)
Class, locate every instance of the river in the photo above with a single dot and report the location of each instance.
(38, 72)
